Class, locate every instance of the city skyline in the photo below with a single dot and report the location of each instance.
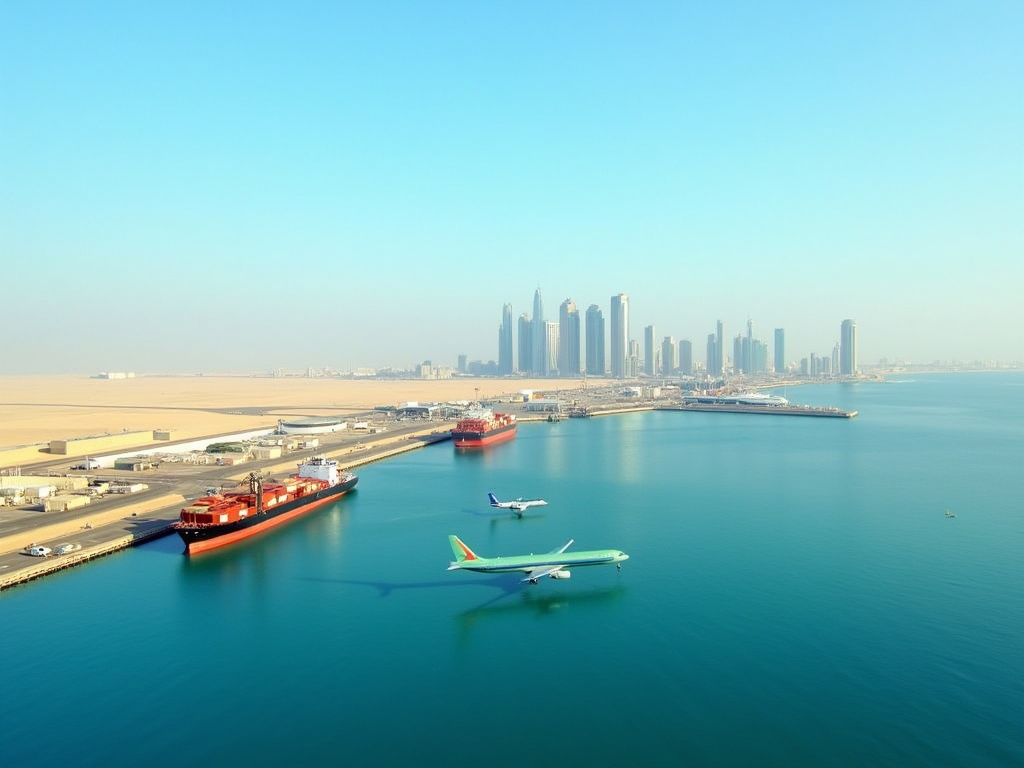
(360, 186)
(575, 351)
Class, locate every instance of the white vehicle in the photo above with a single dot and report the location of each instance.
(38, 551)
(87, 464)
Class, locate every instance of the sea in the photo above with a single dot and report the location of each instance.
(795, 595)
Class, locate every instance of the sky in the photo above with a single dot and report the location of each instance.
(215, 186)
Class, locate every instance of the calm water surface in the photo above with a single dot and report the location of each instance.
(795, 597)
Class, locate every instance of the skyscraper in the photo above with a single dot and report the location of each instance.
(506, 365)
(685, 357)
(525, 344)
(619, 336)
(540, 339)
(780, 350)
(551, 344)
(668, 356)
(568, 339)
(716, 350)
(848, 348)
(650, 356)
(595, 342)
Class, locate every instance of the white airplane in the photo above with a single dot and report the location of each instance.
(518, 505)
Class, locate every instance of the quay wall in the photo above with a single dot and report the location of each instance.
(72, 526)
(771, 410)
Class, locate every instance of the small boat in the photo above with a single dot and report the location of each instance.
(950, 514)
(67, 549)
(39, 551)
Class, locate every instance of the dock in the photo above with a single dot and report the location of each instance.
(132, 524)
(772, 410)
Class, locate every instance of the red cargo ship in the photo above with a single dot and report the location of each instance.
(214, 521)
(483, 428)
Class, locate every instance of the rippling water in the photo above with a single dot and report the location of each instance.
(795, 596)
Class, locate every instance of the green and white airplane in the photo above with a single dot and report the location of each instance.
(553, 564)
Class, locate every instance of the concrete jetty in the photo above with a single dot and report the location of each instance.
(774, 410)
(135, 523)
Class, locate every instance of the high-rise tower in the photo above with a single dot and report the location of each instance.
(568, 339)
(650, 353)
(780, 350)
(719, 359)
(685, 357)
(848, 348)
(505, 362)
(540, 337)
(595, 342)
(620, 336)
(525, 344)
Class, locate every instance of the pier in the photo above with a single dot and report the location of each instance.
(774, 410)
(135, 523)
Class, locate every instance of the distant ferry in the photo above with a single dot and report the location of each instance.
(482, 428)
(219, 519)
(745, 398)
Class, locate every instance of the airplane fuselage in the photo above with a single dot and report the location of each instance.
(533, 562)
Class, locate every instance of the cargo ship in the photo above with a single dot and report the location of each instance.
(482, 428)
(220, 519)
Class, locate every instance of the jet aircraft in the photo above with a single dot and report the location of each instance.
(518, 505)
(554, 564)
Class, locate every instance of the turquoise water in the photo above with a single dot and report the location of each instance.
(795, 596)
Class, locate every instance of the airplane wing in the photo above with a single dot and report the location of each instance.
(540, 573)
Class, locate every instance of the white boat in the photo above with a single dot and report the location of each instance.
(67, 549)
(38, 551)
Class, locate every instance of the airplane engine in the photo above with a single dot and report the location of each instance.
(561, 575)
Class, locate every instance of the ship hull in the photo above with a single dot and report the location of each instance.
(202, 538)
(476, 439)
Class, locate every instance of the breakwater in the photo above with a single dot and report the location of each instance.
(773, 410)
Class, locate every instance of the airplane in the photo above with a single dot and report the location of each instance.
(518, 505)
(554, 564)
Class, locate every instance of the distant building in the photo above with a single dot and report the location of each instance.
(719, 368)
(685, 357)
(848, 348)
(551, 345)
(540, 331)
(506, 364)
(525, 344)
(650, 355)
(780, 350)
(619, 347)
(568, 339)
(595, 342)
(668, 356)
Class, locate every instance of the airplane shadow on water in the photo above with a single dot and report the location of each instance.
(533, 601)
(496, 516)
(385, 588)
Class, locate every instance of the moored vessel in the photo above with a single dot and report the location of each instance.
(481, 428)
(220, 519)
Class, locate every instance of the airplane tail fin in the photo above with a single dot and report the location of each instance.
(493, 499)
(462, 552)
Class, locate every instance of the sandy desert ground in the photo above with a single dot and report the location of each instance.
(37, 409)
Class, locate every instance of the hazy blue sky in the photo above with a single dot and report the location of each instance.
(213, 186)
